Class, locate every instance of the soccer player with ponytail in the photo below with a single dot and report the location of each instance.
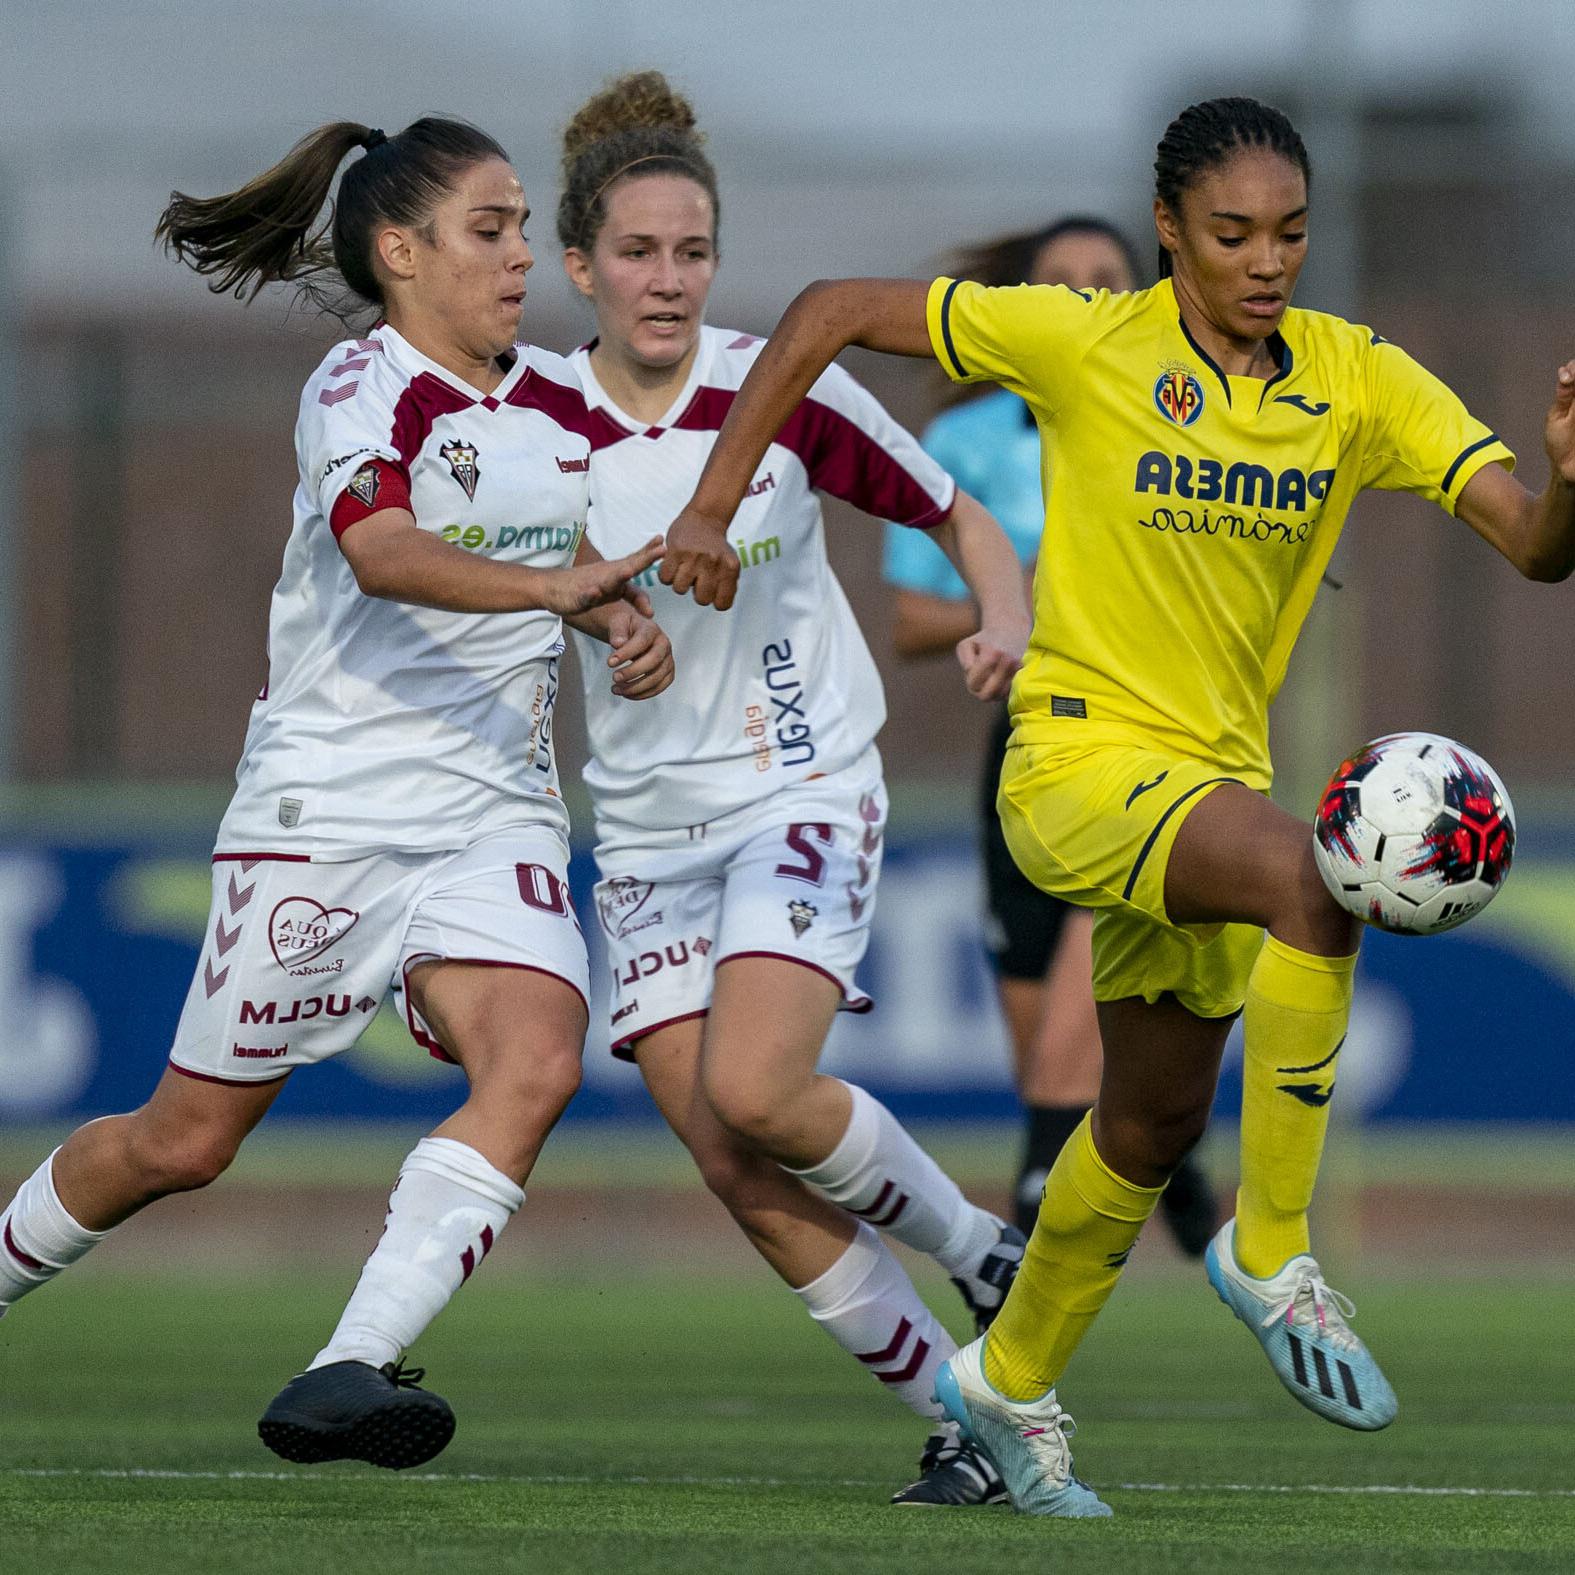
(1206, 442)
(397, 816)
(739, 817)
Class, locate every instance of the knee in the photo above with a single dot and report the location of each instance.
(1310, 917)
(751, 1113)
(1146, 1148)
(165, 1162)
(536, 1080)
(737, 1177)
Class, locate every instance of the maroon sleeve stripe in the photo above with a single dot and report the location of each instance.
(840, 456)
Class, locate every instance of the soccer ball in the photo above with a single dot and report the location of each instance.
(1414, 834)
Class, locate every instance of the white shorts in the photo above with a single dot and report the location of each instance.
(298, 955)
(792, 877)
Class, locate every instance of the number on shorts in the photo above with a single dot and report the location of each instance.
(813, 870)
(540, 888)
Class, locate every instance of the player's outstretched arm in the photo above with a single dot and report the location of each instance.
(878, 314)
(982, 555)
(1536, 533)
(395, 560)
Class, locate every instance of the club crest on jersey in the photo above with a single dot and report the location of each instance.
(1178, 396)
(364, 484)
(801, 915)
(461, 459)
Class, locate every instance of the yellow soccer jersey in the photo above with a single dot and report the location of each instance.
(1192, 514)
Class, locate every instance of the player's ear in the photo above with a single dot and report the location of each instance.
(578, 267)
(1167, 225)
(392, 247)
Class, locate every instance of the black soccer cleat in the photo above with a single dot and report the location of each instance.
(1190, 1208)
(354, 1411)
(983, 1288)
(953, 1474)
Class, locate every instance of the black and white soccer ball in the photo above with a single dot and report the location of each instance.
(1415, 834)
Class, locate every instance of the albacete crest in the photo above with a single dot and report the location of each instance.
(801, 915)
(1178, 396)
(461, 459)
(364, 484)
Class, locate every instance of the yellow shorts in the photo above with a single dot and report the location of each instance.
(1094, 825)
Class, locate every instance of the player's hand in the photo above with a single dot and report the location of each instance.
(586, 585)
(990, 660)
(1559, 433)
(700, 559)
(641, 656)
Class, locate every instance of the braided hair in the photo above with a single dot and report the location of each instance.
(637, 125)
(273, 229)
(1204, 136)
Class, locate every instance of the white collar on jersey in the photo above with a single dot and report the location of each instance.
(597, 396)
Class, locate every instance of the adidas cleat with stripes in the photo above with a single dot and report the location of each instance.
(983, 1288)
(1026, 1440)
(1301, 1323)
(954, 1473)
(354, 1411)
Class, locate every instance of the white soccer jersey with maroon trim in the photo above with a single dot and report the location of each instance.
(384, 725)
(781, 687)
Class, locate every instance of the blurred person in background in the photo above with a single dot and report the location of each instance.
(739, 823)
(1207, 442)
(397, 815)
(1039, 946)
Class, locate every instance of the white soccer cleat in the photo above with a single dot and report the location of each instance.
(1026, 1440)
(984, 1285)
(1300, 1321)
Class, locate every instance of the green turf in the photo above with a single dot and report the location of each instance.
(704, 1426)
(1507, 1158)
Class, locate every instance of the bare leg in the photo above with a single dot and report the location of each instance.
(799, 1234)
(182, 1139)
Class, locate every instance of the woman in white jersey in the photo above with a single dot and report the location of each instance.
(397, 816)
(739, 819)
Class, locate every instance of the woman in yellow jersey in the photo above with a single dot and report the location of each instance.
(1038, 944)
(1207, 442)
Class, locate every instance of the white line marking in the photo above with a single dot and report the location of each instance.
(149, 1474)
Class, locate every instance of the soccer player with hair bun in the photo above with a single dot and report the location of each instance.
(739, 821)
(1039, 945)
(397, 815)
(1206, 442)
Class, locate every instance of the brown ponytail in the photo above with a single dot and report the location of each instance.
(273, 229)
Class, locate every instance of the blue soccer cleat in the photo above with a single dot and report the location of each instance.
(1026, 1440)
(1300, 1321)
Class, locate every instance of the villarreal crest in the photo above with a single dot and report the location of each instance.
(1178, 396)
(461, 459)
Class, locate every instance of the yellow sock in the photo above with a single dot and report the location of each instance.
(1087, 1224)
(1298, 1007)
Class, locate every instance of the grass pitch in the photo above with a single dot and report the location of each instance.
(699, 1423)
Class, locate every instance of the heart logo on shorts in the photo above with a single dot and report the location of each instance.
(619, 900)
(300, 929)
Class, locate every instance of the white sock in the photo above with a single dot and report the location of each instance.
(879, 1173)
(445, 1212)
(38, 1238)
(868, 1305)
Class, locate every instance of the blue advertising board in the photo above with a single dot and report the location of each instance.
(98, 944)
